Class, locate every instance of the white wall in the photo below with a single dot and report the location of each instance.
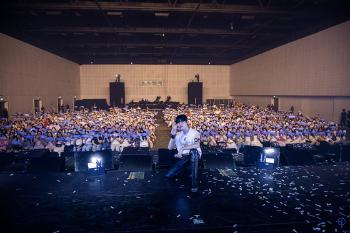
(94, 80)
(27, 72)
(312, 74)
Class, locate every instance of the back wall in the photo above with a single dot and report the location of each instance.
(94, 81)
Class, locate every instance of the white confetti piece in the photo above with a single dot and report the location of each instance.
(198, 221)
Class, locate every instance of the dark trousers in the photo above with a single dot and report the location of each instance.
(189, 160)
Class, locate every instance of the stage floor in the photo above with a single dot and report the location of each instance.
(289, 199)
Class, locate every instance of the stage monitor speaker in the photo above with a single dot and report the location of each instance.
(270, 158)
(83, 159)
(135, 150)
(117, 94)
(218, 161)
(195, 93)
(46, 164)
(295, 157)
(345, 153)
(135, 162)
(251, 155)
(166, 157)
(6, 159)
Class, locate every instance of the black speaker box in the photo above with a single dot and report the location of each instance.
(117, 94)
(46, 164)
(251, 155)
(195, 93)
(345, 153)
(135, 150)
(218, 161)
(166, 157)
(81, 159)
(295, 157)
(135, 162)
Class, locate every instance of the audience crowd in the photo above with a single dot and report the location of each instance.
(225, 127)
(241, 125)
(79, 130)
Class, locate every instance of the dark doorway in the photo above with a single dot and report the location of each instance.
(275, 103)
(3, 109)
(59, 104)
(37, 105)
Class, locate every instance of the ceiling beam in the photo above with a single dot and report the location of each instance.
(167, 45)
(149, 54)
(147, 6)
(155, 30)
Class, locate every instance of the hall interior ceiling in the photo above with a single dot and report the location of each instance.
(166, 32)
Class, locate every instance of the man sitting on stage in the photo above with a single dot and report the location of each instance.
(187, 143)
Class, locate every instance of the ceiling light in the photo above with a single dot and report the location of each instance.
(248, 17)
(161, 14)
(53, 12)
(124, 34)
(114, 13)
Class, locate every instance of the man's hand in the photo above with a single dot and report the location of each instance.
(173, 128)
(179, 154)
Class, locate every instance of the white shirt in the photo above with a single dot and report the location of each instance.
(144, 143)
(182, 140)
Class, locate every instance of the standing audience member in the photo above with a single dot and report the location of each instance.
(343, 118)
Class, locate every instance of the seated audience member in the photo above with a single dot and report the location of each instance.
(87, 143)
(254, 141)
(115, 142)
(59, 148)
(3, 143)
(78, 144)
(144, 142)
(50, 145)
(125, 143)
(39, 144)
(231, 144)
